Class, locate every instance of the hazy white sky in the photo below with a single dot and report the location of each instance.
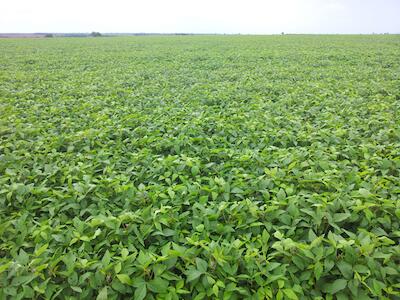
(205, 16)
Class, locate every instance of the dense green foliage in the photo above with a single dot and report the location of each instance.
(200, 167)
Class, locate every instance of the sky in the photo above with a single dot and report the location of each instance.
(205, 16)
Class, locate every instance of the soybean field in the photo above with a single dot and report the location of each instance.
(200, 167)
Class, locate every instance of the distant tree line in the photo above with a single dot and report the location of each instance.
(95, 34)
(92, 34)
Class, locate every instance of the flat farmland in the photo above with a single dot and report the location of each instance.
(200, 167)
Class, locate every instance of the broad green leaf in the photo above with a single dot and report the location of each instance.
(290, 294)
(4, 267)
(346, 269)
(195, 170)
(124, 278)
(102, 294)
(193, 274)
(41, 250)
(140, 292)
(201, 265)
(318, 270)
(334, 287)
(158, 285)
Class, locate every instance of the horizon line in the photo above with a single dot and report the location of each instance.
(196, 33)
